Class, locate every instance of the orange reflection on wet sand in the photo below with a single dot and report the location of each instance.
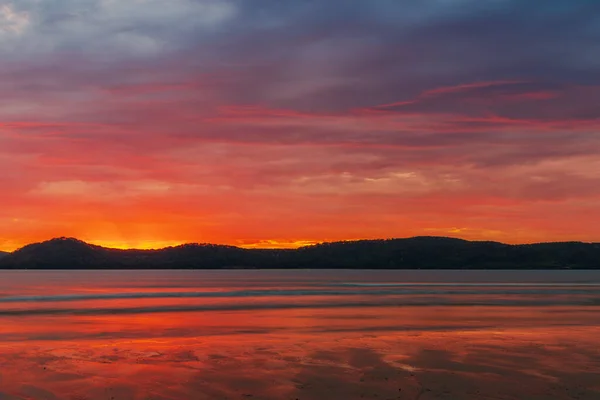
(338, 353)
(306, 335)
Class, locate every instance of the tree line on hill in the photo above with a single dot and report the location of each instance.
(410, 253)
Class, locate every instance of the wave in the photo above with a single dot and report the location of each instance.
(431, 302)
(289, 293)
(466, 284)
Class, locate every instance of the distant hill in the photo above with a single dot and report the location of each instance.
(3, 254)
(411, 253)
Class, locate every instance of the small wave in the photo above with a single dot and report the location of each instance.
(431, 302)
(467, 284)
(407, 291)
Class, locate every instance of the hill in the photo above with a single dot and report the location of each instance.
(3, 254)
(410, 253)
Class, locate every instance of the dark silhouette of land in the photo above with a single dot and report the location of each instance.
(410, 253)
(3, 254)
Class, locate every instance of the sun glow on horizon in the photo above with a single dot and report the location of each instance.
(277, 244)
(137, 244)
(10, 246)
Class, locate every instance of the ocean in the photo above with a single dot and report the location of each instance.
(299, 334)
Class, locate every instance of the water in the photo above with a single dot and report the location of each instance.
(299, 334)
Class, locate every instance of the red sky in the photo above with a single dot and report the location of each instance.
(140, 125)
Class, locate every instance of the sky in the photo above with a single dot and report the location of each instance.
(267, 123)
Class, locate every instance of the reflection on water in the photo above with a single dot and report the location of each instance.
(299, 335)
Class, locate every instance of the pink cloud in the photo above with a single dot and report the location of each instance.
(174, 162)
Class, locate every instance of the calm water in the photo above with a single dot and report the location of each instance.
(299, 335)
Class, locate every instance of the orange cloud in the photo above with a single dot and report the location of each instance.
(157, 171)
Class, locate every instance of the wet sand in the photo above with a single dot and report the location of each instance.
(295, 362)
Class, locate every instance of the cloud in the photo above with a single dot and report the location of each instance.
(101, 190)
(12, 22)
(113, 29)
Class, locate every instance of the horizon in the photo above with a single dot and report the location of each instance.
(266, 247)
(10, 246)
(146, 124)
